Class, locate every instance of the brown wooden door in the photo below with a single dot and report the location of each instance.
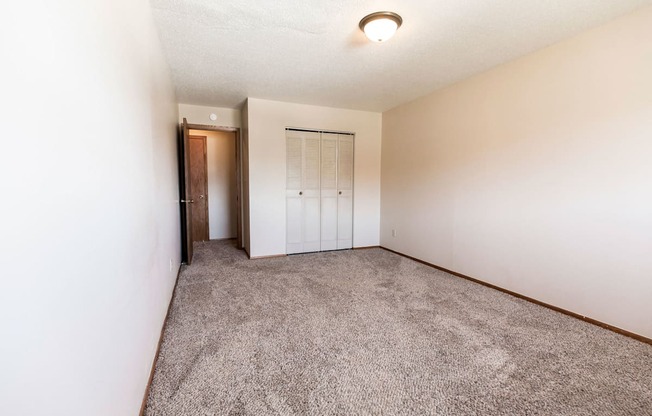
(186, 202)
(199, 188)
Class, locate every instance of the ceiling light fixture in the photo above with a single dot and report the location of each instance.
(380, 26)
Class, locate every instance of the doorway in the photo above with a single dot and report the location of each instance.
(212, 185)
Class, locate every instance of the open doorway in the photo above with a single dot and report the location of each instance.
(213, 181)
(220, 201)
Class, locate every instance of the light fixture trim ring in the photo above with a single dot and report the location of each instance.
(381, 15)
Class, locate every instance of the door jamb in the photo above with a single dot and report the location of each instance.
(238, 174)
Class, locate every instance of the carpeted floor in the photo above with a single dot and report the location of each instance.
(367, 332)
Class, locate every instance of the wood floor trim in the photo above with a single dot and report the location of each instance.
(612, 328)
(158, 347)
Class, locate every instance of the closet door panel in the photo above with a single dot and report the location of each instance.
(329, 161)
(345, 220)
(294, 203)
(311, 152)
(345, 192)
(311, 223)
(329, 220)
(294, 163)
(345, 162)
(311, 192)
(293, 199)
(329, 191)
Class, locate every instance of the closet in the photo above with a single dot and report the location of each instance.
(319, 191)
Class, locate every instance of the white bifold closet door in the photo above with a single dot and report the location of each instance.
(329, 191)
(319, 191)
(303, 192)
(345, 191)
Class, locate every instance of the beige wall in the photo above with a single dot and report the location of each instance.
(246, 240)
(267, 121)
(199, 114)
(536, 176)
(220, 161)
(90, 240)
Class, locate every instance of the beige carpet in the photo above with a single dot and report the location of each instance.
(367, 332)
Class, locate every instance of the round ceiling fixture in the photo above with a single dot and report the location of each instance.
(380, 26)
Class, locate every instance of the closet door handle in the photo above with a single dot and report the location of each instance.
(340, 192)
(300, 193)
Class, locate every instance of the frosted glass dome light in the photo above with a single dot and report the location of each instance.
(380, 26)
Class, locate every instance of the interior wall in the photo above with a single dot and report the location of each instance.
(199, 114)
(535, 176)
(267, 121)
(220, 161)
(90, 240)
(246, 240)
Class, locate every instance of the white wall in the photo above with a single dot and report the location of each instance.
(220, 161)
(199, 114)
(535, 176)
(267, 121)
(90, 214)
(245, 179)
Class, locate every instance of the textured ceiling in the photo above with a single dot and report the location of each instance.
(312, 51)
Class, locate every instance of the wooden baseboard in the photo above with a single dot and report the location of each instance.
(158, 347)
(365, 247)
(620, 331)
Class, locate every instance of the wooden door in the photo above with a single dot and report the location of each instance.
(345, 192)
(199, 188)
(186, 205)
